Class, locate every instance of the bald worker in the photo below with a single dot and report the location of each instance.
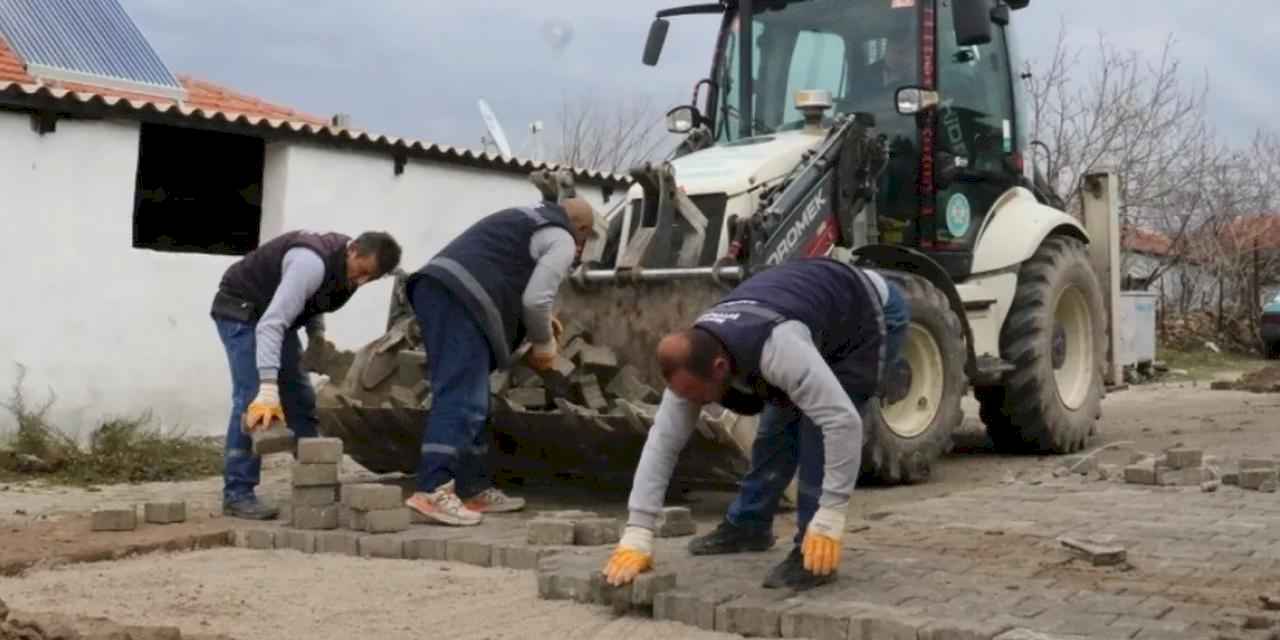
(477, 301)
(803, 345)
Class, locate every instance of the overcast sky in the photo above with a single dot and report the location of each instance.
(415, 68)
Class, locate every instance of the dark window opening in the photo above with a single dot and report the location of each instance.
(197, 191)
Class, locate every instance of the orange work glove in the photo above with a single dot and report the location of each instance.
(264, 409)
(541, 356)
(822, 541)
(633, 556)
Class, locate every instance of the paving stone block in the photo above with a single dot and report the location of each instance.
(276, 439)
(885, 625)
(165, 512)
(553, 585)
(320, 450)
(304, 541)
(518, 557)
(961, 630)
(340, 542)
(675, 522)
(1099, 555)
(1184, 458)
(427, 549)
(469, 551)
(1231, 478)
(381, 546)
(315, 518)
(372, 497)
(566, 514)
(1268, 486)
(1254, 478)
(592, 532)
(1248, 464)
(597, 360)
(592, 397)
(752, 616)
(817, 621)
(386, 521)
(255, 538)
(314, 475)
(1181, 477)
(616, 597)
(627, 384)
(528, 397)
(551, 531)
(1141, 473)
(695, 607)
(114, 519)
(356, 520)
(649, 584)
(321, 496)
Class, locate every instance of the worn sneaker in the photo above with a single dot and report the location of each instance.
(249, 508)
(790, 573)
(493, 500)
(730, 538)
(443, 506)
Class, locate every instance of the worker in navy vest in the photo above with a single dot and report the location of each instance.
(803, 345)
(263, 299)
(487, 293)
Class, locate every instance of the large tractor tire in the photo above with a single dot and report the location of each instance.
(911, 424)
(1055, 338)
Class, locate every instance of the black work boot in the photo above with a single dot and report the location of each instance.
(730, 538)
(791, 574)
(249, 508)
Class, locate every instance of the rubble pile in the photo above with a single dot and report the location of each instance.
(1191, 331)
(1265, 380)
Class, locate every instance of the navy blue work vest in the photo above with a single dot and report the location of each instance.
(255, 277)
(837, 302)
(488, 266)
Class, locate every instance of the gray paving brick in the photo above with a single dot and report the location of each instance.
(816, 621)
(314, 475)
(550, 531)
(885, 625)
(752, 616)
(165, 512)
(382, 546)
(340, 542)
(1255, 478)
(315, 517)
(276, 439)
(650, 584)
(372, 497)
(695, 607)
(518, 556)
(1105, 603)
(320, 450)
(321, 496)
(304, 541)
(961, 630)
(1184, 458)
(427, 549)
(592, 532)
(114, 519)
(469, 551)
(261, 538)
(676, 522)
(386, 521)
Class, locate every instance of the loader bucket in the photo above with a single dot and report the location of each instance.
(589, 419)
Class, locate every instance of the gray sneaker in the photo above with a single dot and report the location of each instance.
(249, 509)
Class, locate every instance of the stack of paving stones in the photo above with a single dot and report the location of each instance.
(374, 508)
(315, 485)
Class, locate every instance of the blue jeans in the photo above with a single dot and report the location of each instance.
(242, 470)
(454, 440)
(786, 439)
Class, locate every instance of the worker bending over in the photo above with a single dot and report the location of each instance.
(803, 344)
(491, 289)
(262, 301)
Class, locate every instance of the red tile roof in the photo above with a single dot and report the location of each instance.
(1146, 241)
(201, 94)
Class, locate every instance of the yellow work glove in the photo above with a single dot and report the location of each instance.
(264, 409)
(822, 541)
(633, 556)
(542, 355)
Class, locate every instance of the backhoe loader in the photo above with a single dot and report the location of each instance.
(888, 133)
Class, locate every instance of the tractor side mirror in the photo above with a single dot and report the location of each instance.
(1017, 4)
(657, 38)
(683, 119)
(913, 100)
(972, 20)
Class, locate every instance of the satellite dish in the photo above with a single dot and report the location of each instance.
(495, 129)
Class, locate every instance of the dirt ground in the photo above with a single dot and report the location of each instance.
(249, 594)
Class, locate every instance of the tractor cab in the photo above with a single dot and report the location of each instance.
(934, 76)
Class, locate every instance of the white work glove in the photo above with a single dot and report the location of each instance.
(633, 556)
(823, 540)
(265, 408)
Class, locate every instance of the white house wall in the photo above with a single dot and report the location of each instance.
(114, 330)
(110, 329)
